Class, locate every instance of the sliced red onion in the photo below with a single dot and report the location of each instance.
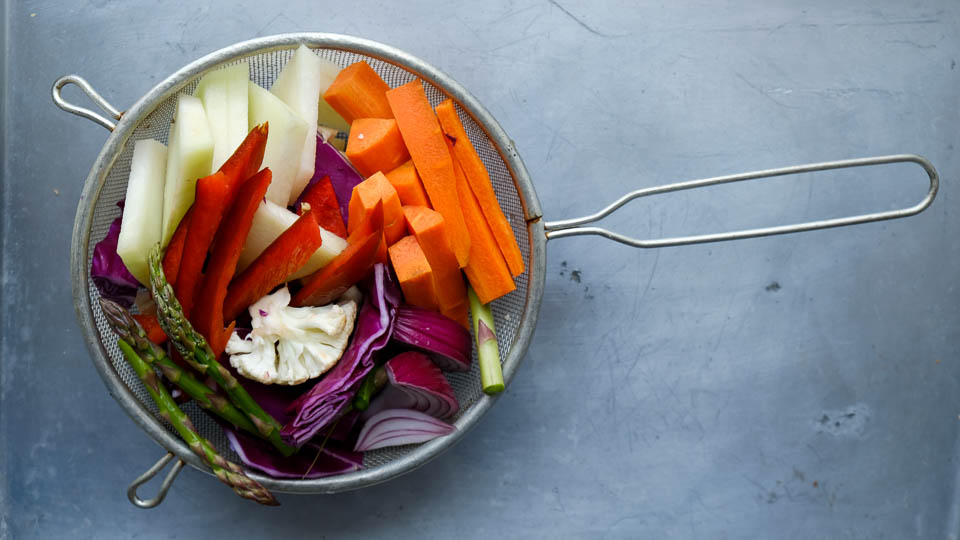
(396, 427)
(415, 383)
(442, 338)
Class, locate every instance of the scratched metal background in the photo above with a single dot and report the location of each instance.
(790, 387)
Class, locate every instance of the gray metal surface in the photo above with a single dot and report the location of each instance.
(784, 387)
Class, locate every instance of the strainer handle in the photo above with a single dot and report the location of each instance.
(572, 227)
(84, 112)
(164, 486)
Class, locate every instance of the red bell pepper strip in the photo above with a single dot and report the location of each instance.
(152, 327)
(211, 202)
(247, 158)
(208, 307)
(323, 202)
(350, 266)
(284, 256)
(174, 253)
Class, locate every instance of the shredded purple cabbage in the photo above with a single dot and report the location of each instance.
(329, 398)
(257, 454)
(107, 270)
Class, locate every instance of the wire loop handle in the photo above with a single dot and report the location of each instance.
(84, 112)
(572, 227)
(150, 473)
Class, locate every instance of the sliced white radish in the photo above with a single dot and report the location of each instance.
(143, 207)
(189, 155)
(284, 142)
(299, 85)
(224, 96)
(269, 222)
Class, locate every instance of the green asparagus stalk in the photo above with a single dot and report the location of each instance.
(133, 334)
(229, 473)
(198, 354)
(488, 353)
(371, 384)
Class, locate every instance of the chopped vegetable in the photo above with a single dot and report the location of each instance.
(479, 180)
(107, 270)
(208, 312)
(408, 185)
(396, 427)
(247, 158)
(443, 339)
(486, 270)
(366, 195)
(331, 162)
(227, 472)
(189, 156)
(140, 229)
(287, 254)
(290, 345)
(284, 145)
(331, 135)
(358, 92)
(375, 145)
(330, 398)
(352, 265)
(212, 200)
(173, 255)
(430, 229)
(304, 464)
(150, 325)
(197, 353)
(425, 141)
(414, 273)
(269, 222)
(321, 198)
(488, 353)
(225, 100)
(299, 85)
(415, 383)
(369, 386)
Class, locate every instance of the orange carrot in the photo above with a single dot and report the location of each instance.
(408, 185)
(486, 271)
(152, 327)
(211, 202)
(358, 92)
(424, 139)
(365, 196)
(414, 273)
(284, 256)
(430, 229)
(479, 179)
(375, 145)
(173, 256)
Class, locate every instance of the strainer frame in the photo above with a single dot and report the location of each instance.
(112, 149)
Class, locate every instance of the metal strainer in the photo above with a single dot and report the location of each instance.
(516, 313)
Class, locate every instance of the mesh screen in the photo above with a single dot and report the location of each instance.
(264, 69)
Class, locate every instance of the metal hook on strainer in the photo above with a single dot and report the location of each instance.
(516, 313)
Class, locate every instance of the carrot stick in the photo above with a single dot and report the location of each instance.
(174, 254)
(375, 145)
(414, 273)
(365, 196)
(331, 281)
(284, 256)
(152, 327)
(409, 188)
(430, 229)
(358, 92)
(486, 270)
(208, 308)
(479, 179)
(326, 209)
(424, 139)
(211, 202)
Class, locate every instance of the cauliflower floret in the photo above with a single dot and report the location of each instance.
(290, 345)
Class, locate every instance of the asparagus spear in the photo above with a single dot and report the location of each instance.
(198, 354)
(134, 335)
(488, 353)
(372, 383)
(229, 473)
